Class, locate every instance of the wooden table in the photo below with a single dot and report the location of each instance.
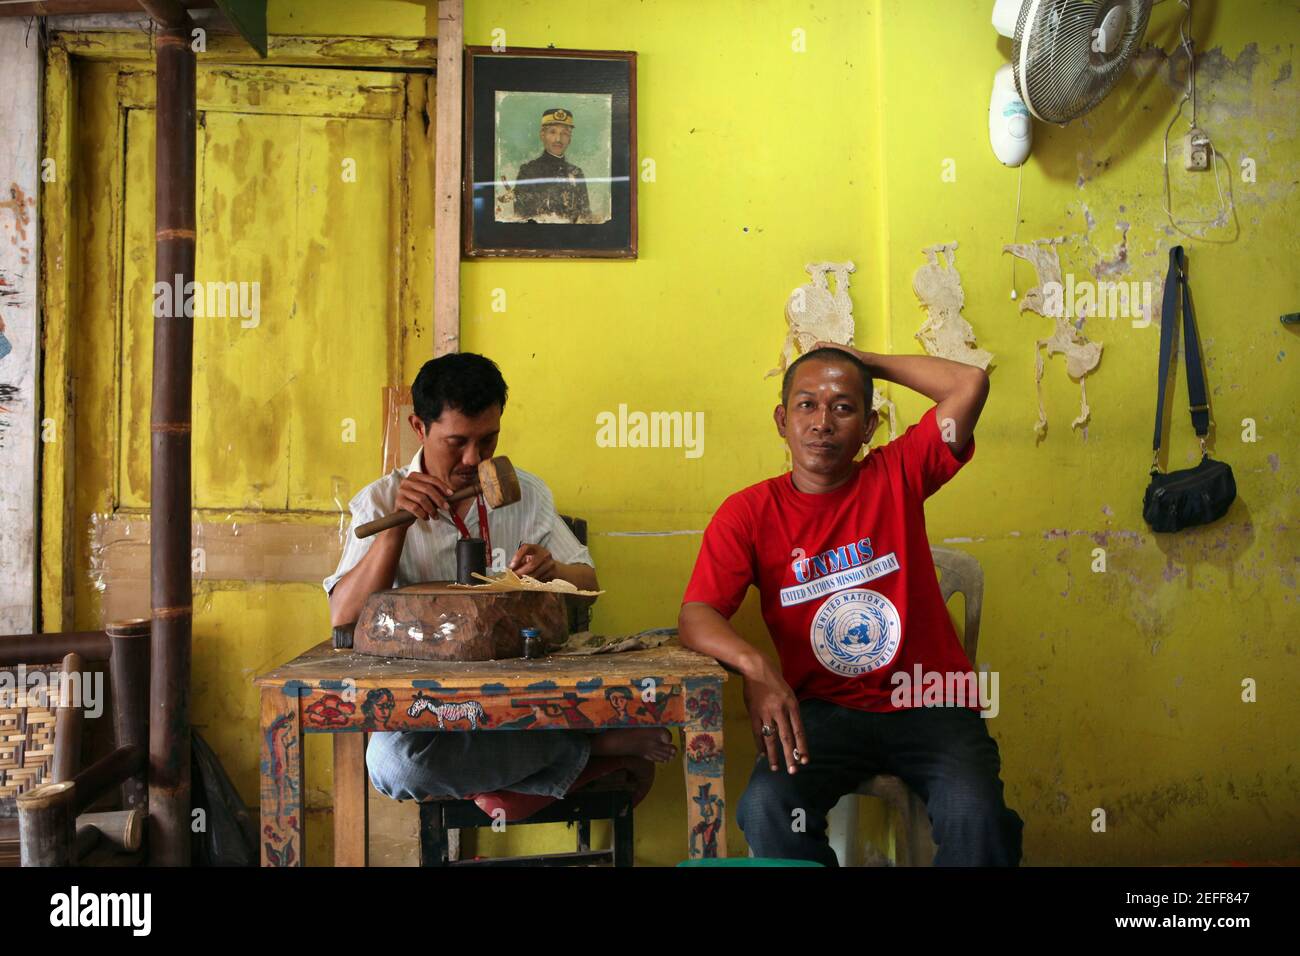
(348, 695)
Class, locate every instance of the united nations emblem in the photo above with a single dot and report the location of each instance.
(856, 632)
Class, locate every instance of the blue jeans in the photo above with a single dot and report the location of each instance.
(419, 764)
(944, 754)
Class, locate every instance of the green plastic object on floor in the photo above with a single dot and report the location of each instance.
(747, 861)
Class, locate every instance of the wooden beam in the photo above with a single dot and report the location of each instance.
(59, 537)
(415, 53)
(58, 8)
(20, 431)
(351, 803)
(167, 13)
(447, 178)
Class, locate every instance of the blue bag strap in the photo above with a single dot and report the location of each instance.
(1176, 286)
(1195, 372)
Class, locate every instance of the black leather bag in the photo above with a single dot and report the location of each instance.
(1191, 496)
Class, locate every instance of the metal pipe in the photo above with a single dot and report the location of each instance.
(171, 591)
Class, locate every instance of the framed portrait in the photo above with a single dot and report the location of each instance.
(550, 154)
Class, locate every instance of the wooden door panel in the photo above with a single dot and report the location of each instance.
(346, 278)
(284, 399)
(348, 275)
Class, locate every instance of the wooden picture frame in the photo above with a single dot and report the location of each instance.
(550, 163)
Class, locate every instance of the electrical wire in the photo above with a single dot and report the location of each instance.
(1015, 232)
(1189, 94)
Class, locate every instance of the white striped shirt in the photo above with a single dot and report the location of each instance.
(429, 553)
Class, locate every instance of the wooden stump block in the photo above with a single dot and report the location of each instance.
(439, 623)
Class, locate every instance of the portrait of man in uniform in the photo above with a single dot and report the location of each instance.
(550, 154)
(550, 188)
(553, 155)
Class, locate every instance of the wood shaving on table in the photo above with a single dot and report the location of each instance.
(509, 581)
(584, 642)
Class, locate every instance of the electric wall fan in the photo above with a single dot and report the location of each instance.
(1066, 56)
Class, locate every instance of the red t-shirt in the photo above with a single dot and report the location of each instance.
(846, 579)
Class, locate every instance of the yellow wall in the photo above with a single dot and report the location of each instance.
(764, 160)
(1122, 690)
(1119, 690)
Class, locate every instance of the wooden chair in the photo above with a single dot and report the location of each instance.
(960, 572)
(607, 798)
(579, 607)
(44, 789)
(441, 819)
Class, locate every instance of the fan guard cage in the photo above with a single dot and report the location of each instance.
(1058, 74)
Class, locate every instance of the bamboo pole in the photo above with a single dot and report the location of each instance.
(51, 648)
(129, 670)
(47, 825)
(170, 501)
(68, 722)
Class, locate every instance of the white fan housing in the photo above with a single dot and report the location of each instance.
(1010, 130)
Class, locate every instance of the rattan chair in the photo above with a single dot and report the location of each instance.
(45, 792)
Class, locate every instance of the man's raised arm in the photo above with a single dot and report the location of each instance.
(958, 390)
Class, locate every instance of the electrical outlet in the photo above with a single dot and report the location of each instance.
(1196, 150)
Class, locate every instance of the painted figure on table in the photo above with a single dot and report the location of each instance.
(459, 400)
(837, 549)
(378, 707)
(278, 832)
(550, 188)
(707, 826)
(619, 698)
(705, 707)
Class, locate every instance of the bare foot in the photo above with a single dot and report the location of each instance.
(653, 743)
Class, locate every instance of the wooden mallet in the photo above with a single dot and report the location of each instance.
(496, 479)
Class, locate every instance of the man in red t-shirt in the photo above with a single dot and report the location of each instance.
(838, 551)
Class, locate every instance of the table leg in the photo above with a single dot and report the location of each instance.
(281, 839)
(351, 806)
(706, 819)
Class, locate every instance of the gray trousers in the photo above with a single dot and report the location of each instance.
(416, 765)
